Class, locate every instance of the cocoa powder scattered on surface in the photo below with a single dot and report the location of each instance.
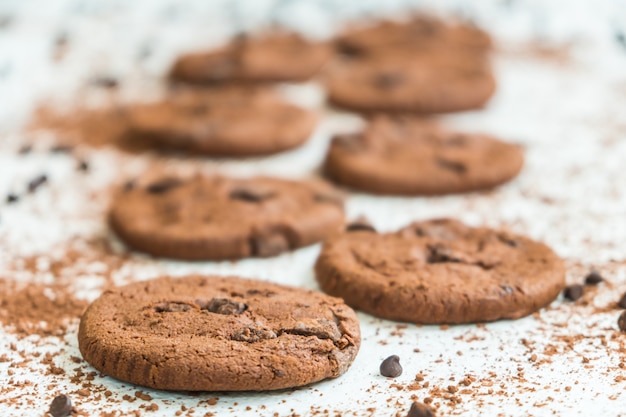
(37, 309)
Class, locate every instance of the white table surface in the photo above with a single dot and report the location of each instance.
(569, 113)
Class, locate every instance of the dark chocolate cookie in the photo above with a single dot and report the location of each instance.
(266, 58)
(215, 218)
(218, 334)
(412, 83)
(418, 34)
(222, 122)
(440, 271)
(408, 156)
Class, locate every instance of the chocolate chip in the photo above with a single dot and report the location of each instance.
(361, 223)
(105, 82)
(12, 198)
(61, 149)
(225, 306)
(507, 241)
(320, 328)
(163, 186)
(61, 406)
(349, 50)
(254, 334)
(391, 367)
(388, 80)
(621, 321)
(573, 292)
(420, 410)
(622, 301)
(269, 245)
(36, 183)
(457, 167)
(620, 37)
(593, 278)
(171, 307)
(251, 195)
(83, 166)
(439, 253)
(129, 185)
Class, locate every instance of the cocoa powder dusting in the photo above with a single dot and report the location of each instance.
(101, 127)
(37, 309)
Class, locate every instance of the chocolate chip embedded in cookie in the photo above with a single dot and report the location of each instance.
(405, 83)
(266, 58)
(407, 156)
(217, 218)
(222, 122)
(218, 334)
(440, 271)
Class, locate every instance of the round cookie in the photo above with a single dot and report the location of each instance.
(412, 83)
(440, 271)
(222, 122)
(217, 218)
(407, 156)
(267, 58)
(215, 333)
(418, 34)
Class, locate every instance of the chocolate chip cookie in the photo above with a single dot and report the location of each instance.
(218, 334)
(418, 34)
(268, 57)
(222, 122)
(408, 156)
(217, 218)
(440, 271)
(412, 83)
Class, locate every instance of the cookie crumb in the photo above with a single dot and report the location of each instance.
(593, 278)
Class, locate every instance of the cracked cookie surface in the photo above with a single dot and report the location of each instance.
(222, 122)
(407, 156)
(218, 218)
(440, 271)
(210, 333)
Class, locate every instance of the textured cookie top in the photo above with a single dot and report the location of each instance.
(265, 58)
(225, 218)
(222, 122)
(421, 33)
(441, 271)
(416, 83)
(218, 333)
(410, 156)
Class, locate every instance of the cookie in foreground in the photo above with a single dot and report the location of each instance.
(440, 271)
(210, 333)
(408, 156)
(220, 218)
